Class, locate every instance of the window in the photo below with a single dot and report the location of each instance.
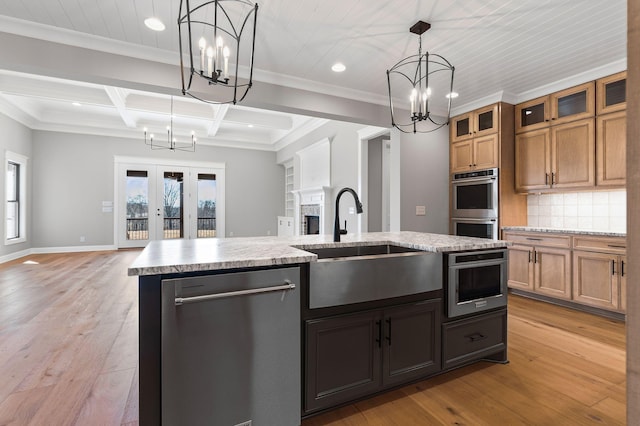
(15, 197)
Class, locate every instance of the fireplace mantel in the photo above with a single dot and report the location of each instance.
(320, 196)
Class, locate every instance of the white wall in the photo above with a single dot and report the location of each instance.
(15, 138)
(424, 172)
(73, 174)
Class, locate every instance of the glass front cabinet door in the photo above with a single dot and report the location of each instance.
(611, 93)
(572, 104)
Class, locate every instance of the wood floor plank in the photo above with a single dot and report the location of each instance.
(68, 355)
(107, 399)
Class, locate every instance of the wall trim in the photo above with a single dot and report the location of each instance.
(48, 250)
(13, 256)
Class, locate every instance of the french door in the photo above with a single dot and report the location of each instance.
(158, 202)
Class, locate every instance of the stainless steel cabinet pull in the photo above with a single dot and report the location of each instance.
(182, 300)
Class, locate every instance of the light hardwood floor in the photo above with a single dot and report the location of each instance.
(68, 355)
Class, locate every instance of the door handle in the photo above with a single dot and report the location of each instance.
(622, 268)
(613, 267)
(379, 339)
(546, 178)
(553, 179)
(529, 256)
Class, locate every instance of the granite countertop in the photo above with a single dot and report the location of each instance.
(565, 231)
(176, 256)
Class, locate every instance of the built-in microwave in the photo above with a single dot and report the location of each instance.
(471, 227)
(475, 194)
(476, 281)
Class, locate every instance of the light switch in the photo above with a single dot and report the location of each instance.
(421, 210)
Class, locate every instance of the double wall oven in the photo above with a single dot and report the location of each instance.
(475, 204)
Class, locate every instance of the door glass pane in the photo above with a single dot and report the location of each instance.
(137, 193)
(206, 205)
(462, 127)
(474, 197)
(615, 92)
(532, 115)
(172, 205)
(485, 121)
(479, 230)
(478, 282)
(572, 104)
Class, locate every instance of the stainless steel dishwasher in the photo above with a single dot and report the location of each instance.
(231, 349)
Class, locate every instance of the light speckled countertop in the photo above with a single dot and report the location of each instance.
(176, 256)
(565, 231)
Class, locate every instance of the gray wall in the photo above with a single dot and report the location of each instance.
(424, 173)
(15, 138)
(74, 173)
(374, 187)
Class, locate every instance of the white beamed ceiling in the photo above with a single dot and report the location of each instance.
(501, 49)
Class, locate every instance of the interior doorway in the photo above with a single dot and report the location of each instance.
(378, 185)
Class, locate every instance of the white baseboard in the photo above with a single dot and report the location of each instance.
(13, 256)
(71, 249)
(46, 250)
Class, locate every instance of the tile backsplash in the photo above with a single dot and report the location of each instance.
(598, 210)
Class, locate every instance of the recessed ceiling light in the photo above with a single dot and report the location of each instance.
(154, 23)
(452, 95)
(76, 104)
(250, 125)
(338, 67)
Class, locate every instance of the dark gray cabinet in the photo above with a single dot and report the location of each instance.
(354, 355)
(478, 337)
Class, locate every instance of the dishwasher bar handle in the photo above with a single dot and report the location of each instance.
(182, 300)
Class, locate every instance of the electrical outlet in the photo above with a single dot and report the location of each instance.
(268, 231)
(231, 233)
(247, 423)
(421, 210)
(82, 239)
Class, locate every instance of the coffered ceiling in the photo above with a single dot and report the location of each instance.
(509, 49)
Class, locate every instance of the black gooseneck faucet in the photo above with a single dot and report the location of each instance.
(336, 227)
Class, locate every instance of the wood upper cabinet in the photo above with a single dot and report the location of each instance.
(480, 122)
(573, 154)
(611, 93)
(611, 139)
(559, 157)
(474, 154)
(533, 160)
(560, 107)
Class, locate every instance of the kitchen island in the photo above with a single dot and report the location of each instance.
(268, 341)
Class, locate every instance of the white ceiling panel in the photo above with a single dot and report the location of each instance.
(497, 46)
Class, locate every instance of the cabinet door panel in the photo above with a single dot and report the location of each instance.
(461, 127)
(532, 160)
(411, 342)
(611, 93)
(611, 149)
(485, 152)
(532, 115)
(573, 154)
(574, 103)
(520, 270)
(462, 156)
(485, 121)
(553, 272)
(342, 359)
(595, 279)
(623, 283)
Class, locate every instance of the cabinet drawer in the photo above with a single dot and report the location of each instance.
(473, 338)
(539, 239)
(602, 244)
